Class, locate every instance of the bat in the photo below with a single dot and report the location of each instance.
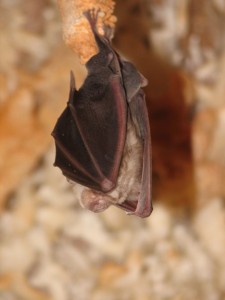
(102, 138)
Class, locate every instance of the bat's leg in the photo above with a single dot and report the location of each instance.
(141, 207)
(139, 114)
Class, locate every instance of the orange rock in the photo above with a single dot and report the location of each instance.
(111, 272)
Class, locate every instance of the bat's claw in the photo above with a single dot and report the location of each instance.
(92, 17)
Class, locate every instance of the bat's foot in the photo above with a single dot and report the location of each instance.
(72, 80)
(92, 17)
(143, 214)
(131, 208)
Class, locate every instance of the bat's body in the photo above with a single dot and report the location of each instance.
(104, 121)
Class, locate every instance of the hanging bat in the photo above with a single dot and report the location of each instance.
(102, 137)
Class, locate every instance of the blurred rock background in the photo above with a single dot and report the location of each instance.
(50, 248)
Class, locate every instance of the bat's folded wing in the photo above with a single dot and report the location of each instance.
(90, 136)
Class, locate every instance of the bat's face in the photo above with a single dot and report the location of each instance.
(103, 138)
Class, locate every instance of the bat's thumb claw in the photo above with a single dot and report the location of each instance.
(72, 80)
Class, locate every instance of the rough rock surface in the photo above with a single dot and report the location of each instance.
(51, 248)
